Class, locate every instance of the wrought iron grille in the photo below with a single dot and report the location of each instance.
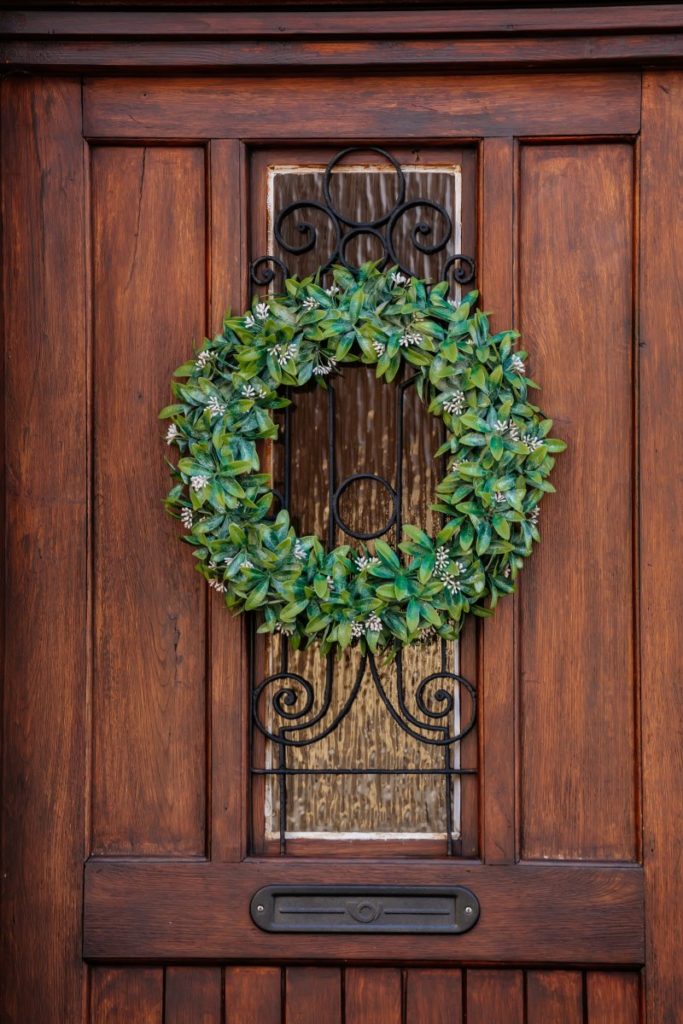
(290, 711)
(427, 238)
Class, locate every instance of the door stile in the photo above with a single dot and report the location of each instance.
(498, 677)
(46, 500)
(661, 593)
(229, 719)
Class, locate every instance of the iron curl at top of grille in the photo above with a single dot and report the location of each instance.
(427, 238)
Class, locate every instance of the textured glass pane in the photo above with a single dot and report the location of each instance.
(365, 419)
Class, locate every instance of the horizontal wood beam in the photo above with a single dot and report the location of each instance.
(223, 25)
(456, 53)
(530, 913)
(410, 107)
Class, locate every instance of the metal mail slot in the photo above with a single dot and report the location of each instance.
(321, 908)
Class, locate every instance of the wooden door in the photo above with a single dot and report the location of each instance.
(131, 210)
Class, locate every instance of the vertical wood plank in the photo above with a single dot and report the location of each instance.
(313, 995)
(554, 996)
(661, 536)
(192, 995)
(498, 670)
(229, 690)
(495, 996)
(372, 995)
(433, 997)
(612, 996)
(576, 597)
(253, 995)
(148, 698)
(45, 414)
(127, 995)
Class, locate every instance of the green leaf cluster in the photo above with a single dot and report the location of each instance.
(498, 450)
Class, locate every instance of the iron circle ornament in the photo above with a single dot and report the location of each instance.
(364, 534)
(498, 456)
(385, 217)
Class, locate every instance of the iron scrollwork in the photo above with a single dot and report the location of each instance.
(288, 710)
(265, 269)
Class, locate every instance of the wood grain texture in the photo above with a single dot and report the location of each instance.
(229, 692)
(45, 414)
(612, 997)
(554, 996)
(149, 701)
(192, 995)
(372, 995)
(313, 995)
(522, 52)
(495, 996)
(186, 24)
(577, 595)
(433, 997)
(446, 106)
(497, 725)
(253, 995)
(661, 593)
(127, 995)
(548, 913)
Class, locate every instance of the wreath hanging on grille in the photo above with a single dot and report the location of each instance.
(497, 451)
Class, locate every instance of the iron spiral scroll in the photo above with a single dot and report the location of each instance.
(292, 705)
(428, 238)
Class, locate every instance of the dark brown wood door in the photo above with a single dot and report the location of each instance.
(132, 208)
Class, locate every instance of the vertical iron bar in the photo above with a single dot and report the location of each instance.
(282, 821)
(399, 463)
(448, 783)
(449, 800)
(251, 674)
(288, 453)
(447, 780)
(331, 463)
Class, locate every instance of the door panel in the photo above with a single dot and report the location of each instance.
(576, 640)
(433, 996)
(612, 997)
(495, 995)
(313, 994)
(119, 995)
(554, 995)
(372, 994)
(149, 748)
(253, 995)
(192, 995)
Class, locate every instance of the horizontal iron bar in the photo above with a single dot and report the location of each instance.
(364, 771)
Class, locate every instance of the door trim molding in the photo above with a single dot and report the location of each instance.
(216, 40)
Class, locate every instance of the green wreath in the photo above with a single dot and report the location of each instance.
(500, 457)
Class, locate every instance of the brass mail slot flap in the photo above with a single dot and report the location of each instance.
(322, 908)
